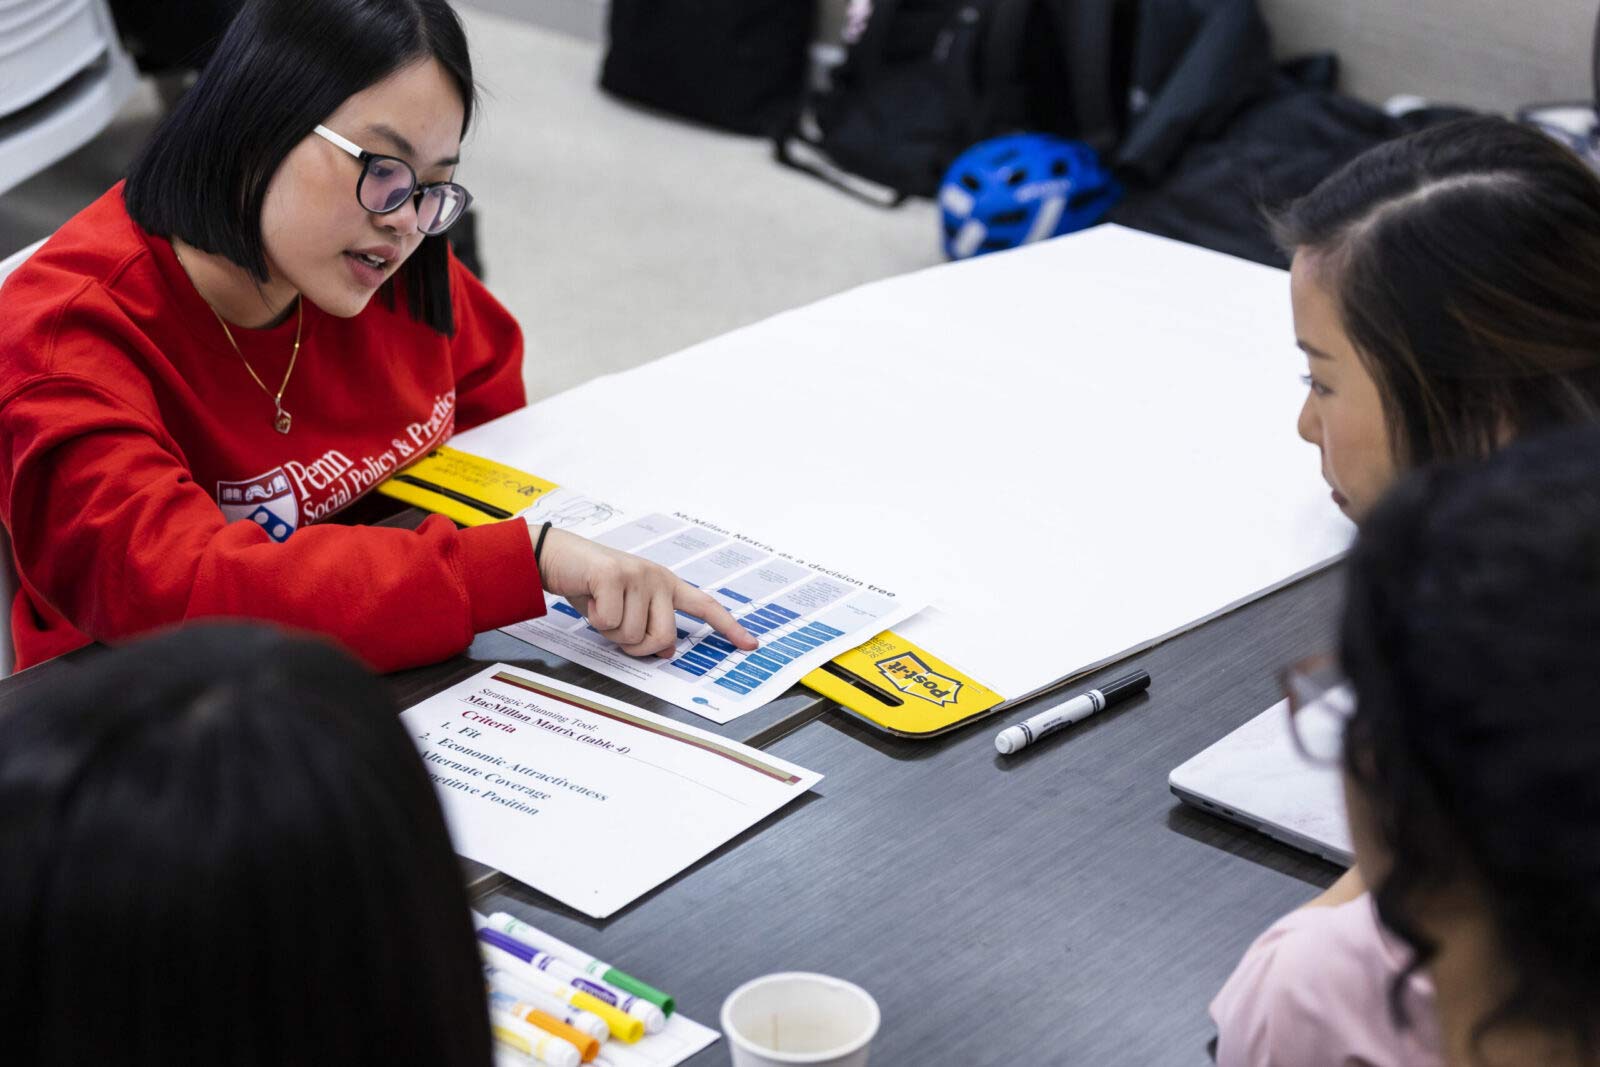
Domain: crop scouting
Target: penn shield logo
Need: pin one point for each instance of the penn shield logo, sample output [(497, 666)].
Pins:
[(907, 673), (266, 500)]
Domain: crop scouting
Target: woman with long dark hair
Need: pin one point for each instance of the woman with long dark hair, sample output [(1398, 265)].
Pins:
[(220, 849), (1446, 291), (194, 371)]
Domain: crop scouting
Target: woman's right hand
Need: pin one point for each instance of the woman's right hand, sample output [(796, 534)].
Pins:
[(630, 600)]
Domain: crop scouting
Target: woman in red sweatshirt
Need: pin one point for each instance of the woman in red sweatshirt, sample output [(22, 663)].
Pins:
[(194, 371)]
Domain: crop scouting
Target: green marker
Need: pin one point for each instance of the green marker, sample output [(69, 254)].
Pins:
[(512, 926)]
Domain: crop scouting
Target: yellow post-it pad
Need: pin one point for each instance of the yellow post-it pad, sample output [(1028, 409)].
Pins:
[(469, 489), (933, 696)]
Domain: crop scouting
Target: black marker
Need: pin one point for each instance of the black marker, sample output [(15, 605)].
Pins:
[(1018, 737)]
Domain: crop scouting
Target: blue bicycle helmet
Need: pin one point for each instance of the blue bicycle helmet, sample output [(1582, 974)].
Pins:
[(1024, 187)]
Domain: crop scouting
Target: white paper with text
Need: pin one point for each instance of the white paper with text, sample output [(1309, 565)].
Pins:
[(584, 798)]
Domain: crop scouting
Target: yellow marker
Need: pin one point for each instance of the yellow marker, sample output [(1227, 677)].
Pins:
[(588, 1045), (623, 1026), (546, 1048)]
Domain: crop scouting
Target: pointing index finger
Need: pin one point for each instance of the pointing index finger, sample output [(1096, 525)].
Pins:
[(687, 598)]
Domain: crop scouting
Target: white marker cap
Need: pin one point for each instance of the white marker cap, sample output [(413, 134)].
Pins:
[(1011, 739), (654, 1019), (587, 1021)]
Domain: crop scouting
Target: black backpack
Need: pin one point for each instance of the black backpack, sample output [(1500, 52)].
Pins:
[(736, 64), (927, 78)]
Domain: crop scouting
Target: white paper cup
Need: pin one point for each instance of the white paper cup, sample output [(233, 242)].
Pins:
[(796, 1017)]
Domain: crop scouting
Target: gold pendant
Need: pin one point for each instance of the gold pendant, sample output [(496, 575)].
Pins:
[(282, 422)]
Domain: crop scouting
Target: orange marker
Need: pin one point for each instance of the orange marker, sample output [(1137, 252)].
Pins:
[(587, 1045), (624, 1027)]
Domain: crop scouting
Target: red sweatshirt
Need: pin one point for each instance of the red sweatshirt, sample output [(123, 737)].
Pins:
[(143, 483)]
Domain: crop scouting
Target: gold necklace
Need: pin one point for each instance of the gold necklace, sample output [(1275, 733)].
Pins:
[(283, 420)]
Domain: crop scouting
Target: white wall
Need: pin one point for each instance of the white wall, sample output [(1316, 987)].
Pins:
[(584, 19), (1493, 54)]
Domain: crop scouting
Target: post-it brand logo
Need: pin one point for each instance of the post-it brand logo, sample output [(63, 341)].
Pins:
[(907, 673)]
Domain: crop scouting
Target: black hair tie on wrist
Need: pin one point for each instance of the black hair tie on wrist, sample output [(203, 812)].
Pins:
[(538, 548)]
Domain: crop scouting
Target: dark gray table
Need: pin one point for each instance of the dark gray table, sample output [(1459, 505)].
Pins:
[(1059, 907)]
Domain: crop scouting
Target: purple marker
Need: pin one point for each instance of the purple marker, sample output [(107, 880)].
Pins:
[(652, 1017)]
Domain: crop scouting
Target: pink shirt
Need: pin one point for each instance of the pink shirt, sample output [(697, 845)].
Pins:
[(1313, 991)]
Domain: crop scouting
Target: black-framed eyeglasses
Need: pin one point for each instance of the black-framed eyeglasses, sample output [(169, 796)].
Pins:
[(387, 182), (1321, 703)]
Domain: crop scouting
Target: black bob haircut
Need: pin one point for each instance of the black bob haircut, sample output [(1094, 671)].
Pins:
[(225, 839), (282, 68)]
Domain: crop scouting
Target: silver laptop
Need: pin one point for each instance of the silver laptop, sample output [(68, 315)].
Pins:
[(1256, 776)]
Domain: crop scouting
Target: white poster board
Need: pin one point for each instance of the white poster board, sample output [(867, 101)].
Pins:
[(1073, 449)]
